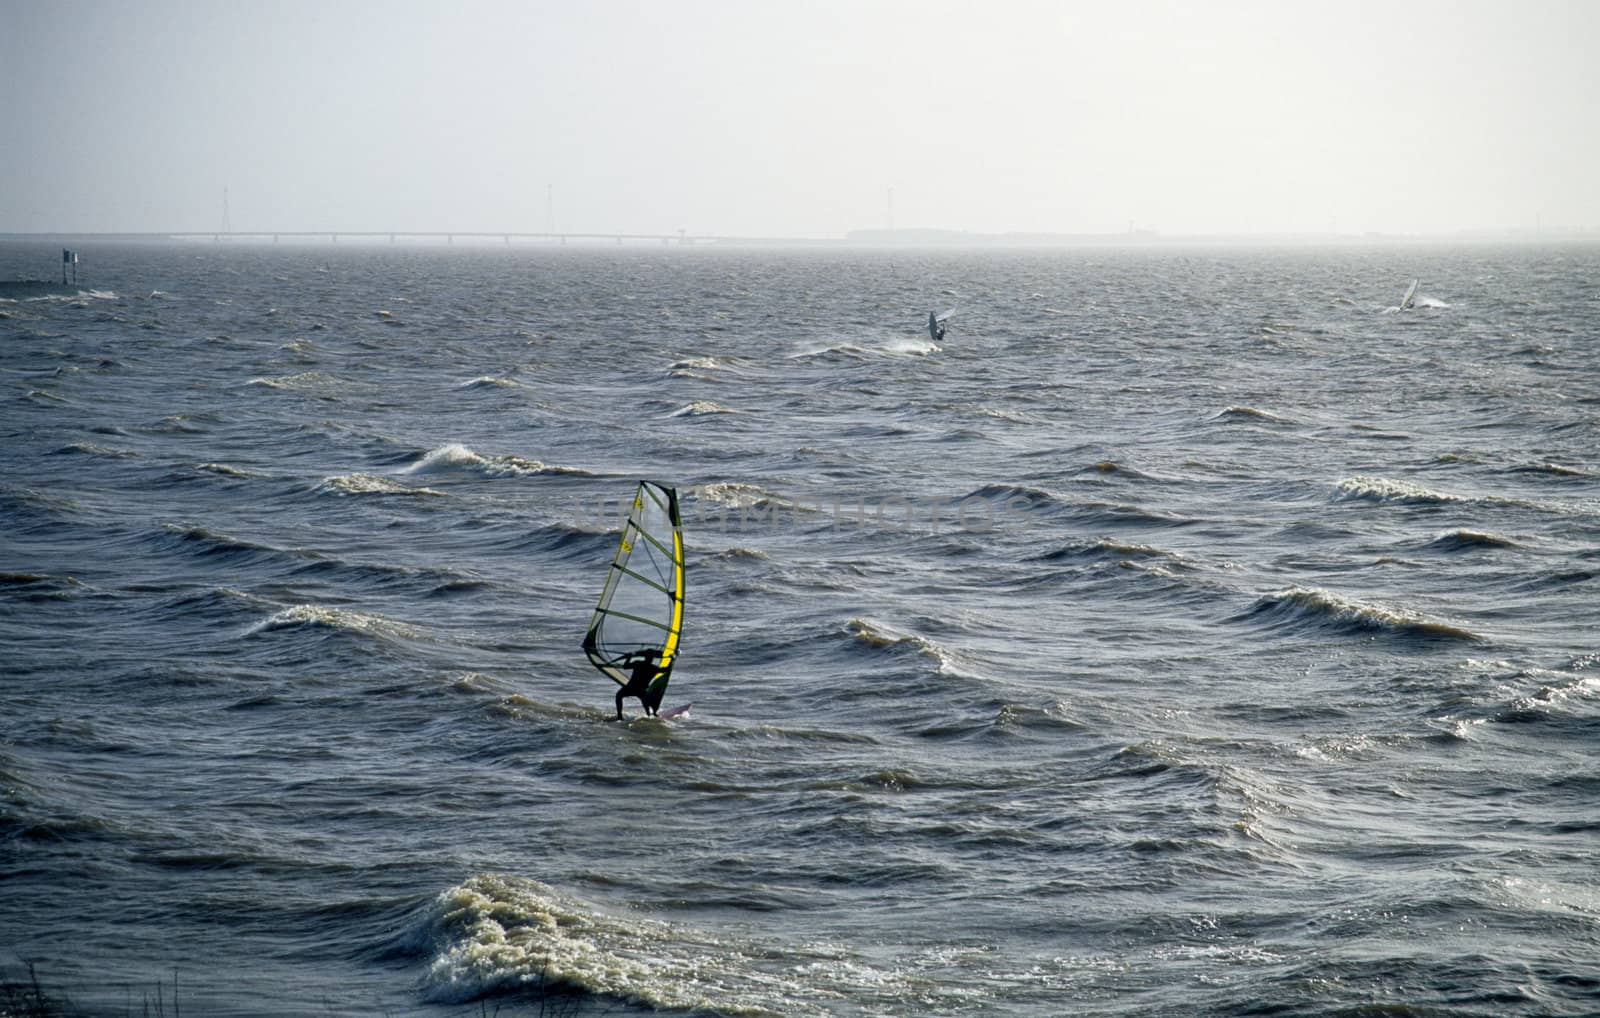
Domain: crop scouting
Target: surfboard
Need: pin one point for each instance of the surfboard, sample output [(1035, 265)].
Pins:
[(673, 712)]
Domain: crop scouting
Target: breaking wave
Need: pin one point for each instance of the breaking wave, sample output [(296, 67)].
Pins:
[(900, 347), (491, 382), (312, 616), (305, 381), (456, 458), (1300, 608), (694, 367), (1106, 550), (1469, 540), (90, 449), (1249, 413), (503, 934), (734, 495), (702, 408), (1362, 488), (869, 633), (369, 484)]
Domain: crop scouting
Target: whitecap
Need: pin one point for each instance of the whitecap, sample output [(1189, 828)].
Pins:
[(323, 617), (457, 458), (1237, 412), (369, 484), (302, 382), (226, 470), (490, 382), (497, 933), (1316, 607), (1382, 489), (702, 408), (693, 367)]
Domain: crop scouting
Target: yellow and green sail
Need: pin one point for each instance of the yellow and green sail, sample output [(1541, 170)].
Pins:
[(641, 605)]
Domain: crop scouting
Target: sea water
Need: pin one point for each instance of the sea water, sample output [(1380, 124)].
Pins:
[(1189, 631)]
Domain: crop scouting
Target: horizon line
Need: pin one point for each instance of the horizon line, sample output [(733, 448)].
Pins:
[(900, 237)]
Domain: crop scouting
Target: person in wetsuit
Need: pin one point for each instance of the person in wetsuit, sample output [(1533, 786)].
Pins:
[(642, 676)]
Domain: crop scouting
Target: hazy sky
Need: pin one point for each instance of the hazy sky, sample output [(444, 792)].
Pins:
[(800, 118)]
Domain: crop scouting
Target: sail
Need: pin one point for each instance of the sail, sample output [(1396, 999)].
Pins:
[(1410, 297), (641, 605)]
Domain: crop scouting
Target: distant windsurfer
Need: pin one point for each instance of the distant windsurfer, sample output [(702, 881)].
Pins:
[(1409, 301), (645, 681), (935, 326)]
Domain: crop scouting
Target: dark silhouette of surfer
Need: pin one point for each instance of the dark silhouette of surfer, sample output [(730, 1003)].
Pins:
[(645, 681), (935, 326)]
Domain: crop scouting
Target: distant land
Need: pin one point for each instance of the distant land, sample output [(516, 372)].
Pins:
[(963, 238), (871, 238)]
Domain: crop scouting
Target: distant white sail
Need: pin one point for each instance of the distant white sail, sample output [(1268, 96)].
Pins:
[(1410, 299)]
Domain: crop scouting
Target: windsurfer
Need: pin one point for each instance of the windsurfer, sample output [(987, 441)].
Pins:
[(935, 326), (642, 681)]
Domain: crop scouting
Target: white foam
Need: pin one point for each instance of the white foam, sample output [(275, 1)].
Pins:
[(702, 408), (331, 618), (457, 458), (369, 484)]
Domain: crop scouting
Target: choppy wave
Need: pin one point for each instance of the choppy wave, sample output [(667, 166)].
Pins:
[(498, 934), (1105, 549), (370, 484), (740, 555), (233, 556), (491, 382), (899, 347), (305, 381), (1313, 608), (694, 367), (1117, 514), (227, 470), (879, 636), (208, 544), (1113, 468), (876, 634), (313, 616), (1557, 470), (1249, 413), (90, 449), (495, 934), (702, 408), (1016, 496), (1469, 540), (456, 458), (1363, 488), (38, 586), (181, 424), (736, 495), (1010, 416), (1382, 489)]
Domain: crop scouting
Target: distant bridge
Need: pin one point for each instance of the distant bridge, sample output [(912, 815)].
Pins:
[(681, 238)]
